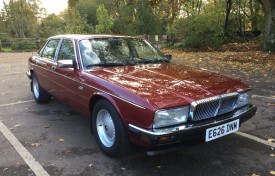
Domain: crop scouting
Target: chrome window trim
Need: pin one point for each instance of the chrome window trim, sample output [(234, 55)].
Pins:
[(125, 100), (79, 54), (38, 59)]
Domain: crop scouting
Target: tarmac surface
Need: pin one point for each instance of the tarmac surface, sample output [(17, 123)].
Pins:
[(58, 139)]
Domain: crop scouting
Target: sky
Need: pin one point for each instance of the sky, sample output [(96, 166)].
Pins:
[(52, 6)]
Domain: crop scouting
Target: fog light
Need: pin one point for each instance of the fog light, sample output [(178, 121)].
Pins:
[(167, 139), (145, 138)]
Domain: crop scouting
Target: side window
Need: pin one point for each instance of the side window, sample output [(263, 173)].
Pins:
[(67, 50), (50, 49)]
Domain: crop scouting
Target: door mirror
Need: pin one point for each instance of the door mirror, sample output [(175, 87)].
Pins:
[(65, 64), (168, 56)]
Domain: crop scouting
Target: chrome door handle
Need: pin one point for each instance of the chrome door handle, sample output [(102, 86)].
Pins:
[(80, 88)]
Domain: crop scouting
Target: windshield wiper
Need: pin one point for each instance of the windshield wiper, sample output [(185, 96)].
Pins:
[(106, 64), (152, 61)]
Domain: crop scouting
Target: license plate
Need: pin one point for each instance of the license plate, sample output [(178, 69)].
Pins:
[(221, 130)]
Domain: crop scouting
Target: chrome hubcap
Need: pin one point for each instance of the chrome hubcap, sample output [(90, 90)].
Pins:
[(105, 128), (35, 87)]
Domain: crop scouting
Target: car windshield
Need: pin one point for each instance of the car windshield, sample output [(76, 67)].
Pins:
[(118, 51)]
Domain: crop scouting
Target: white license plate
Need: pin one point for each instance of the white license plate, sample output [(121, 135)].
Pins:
[(221, 130)]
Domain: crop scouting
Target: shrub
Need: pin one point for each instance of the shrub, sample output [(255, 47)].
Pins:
[(23, 45), (200, 31)]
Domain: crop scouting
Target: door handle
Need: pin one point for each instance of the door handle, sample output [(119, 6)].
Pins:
[(53, 68), (80, 88)]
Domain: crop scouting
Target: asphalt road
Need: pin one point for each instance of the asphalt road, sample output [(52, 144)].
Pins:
[(59, 139)]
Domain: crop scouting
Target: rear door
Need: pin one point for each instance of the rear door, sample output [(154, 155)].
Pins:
[(45, 61)]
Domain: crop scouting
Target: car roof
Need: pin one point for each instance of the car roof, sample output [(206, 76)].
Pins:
[(82, 36)]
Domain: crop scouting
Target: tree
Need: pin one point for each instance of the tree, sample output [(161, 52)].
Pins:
[(21, 17), (2, 22), (105, 21), (147, 22), (124, 20), (269, 34), (72, 3), (87, 10), (228, 9), (201, 30), (73, 21), (52, 25)]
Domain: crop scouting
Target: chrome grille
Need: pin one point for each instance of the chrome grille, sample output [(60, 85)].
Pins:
[(213, 106)]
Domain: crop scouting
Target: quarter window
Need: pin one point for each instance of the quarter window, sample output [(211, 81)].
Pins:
[(50, 49)]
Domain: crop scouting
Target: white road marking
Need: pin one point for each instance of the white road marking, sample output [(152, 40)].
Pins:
[(23, 152), (263, 97), (19, 102), (254, 138)]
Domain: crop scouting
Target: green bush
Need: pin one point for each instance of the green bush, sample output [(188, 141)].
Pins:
[(24, 45), (200, 31)]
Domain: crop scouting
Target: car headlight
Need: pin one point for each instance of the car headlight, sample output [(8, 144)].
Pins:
[(244, 99), (170, 117)]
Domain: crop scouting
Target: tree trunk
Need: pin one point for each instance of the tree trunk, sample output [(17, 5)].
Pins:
[(240, 18), (228, 9), (269, 34)]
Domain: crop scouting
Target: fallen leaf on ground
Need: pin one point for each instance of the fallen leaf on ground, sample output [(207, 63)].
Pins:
[(272, 155), (273, 96), (255, 175), (272, 172), (271, 140), (61, 139), (35, 144)]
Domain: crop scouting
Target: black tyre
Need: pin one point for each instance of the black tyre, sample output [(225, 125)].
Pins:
[(39, 94), (109, 130)]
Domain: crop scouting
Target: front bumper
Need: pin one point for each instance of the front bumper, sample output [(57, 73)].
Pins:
[(191, 132)]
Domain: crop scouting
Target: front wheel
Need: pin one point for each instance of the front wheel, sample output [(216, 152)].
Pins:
[(109, 130), (39, 94)]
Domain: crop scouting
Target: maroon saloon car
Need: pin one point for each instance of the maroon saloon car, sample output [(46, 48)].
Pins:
[(134, 95)]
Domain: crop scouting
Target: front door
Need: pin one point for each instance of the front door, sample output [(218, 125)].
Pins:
[(63, 79)]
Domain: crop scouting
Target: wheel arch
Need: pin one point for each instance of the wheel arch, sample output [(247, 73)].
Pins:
[(101, 96)]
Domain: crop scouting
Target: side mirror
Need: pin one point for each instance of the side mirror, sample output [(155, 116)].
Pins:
[(168, 56), (65, 64)]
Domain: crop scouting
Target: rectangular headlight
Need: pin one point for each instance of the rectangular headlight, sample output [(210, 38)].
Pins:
[(168, 117), (244, 99)]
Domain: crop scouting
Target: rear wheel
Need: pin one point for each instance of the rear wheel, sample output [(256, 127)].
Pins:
[(39, 94), (109, 130)]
